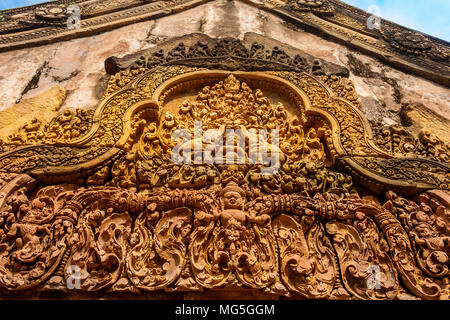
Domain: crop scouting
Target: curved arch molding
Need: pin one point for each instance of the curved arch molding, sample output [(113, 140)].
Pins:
[(323, 94), (99, 191)]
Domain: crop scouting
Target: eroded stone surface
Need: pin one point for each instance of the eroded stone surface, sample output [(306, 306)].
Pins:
[(20, 70), (191, 228), (42, 107), (78, 64), (416, 116), (100, 193)]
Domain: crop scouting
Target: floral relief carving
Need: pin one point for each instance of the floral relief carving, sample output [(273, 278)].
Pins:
[(64, 128), (34, 234), (426, 221), (360, 258), (321, 7), (397, 140), (225, 241), (414, 43), (103, 192), (167, 239), (52, 12), (308, 263)]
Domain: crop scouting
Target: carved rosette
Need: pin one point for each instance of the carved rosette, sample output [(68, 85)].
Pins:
[(320, 7), (52, 12), (414, 43)]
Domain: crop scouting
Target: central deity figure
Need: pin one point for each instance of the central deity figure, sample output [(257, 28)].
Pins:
[(233, 246), (232, 217)]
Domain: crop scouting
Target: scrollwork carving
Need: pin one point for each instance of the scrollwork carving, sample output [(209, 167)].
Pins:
[(34, 233), (366, 268), (307, 262), (158, 250), (185, 240), (69, 125), (99, 248), (426, 222), (136, 220), (398, 141)]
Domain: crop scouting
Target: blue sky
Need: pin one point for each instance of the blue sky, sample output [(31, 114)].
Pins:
[(429, 16), (7, 4)]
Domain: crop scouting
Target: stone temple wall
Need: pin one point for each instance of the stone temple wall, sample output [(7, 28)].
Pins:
[(75, 68), (92, 178)]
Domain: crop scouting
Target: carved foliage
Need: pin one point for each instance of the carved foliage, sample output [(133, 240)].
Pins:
[(307, 260), (69, 125), (418, 170), (427, 223), (98, 247), (211, 54), (188, 239), (158, 248), (398, 141), (33, 233), (343, 88), (230, 227), (228, 104), (403, 256), (366, 268)]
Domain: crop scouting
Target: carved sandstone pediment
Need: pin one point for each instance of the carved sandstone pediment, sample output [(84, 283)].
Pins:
[(139, 197), (393, 44)]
